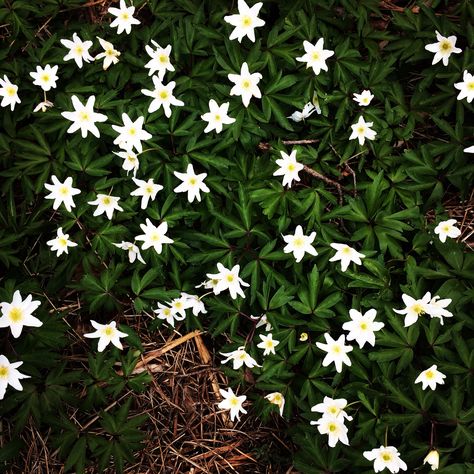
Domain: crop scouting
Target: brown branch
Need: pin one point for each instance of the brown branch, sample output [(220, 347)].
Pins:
[(327, 180)]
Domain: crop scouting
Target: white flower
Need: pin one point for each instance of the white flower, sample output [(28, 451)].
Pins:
[(469, 149), (447, 229), (45, 77), (228, 280), (181, 304), (262, 321), (110, 54), (162, 96), (233, 403), (346, 255), (245, 22), (277, 399), (147, 190), (9, 92), (432, 458), (130, 161), (60, 243), (414, 308), (315, 56), (208, 284), (245, 84), (268, 343), (194, 302), (466, 87), (335, 429), (239, 357), (192, 183), (336, 351), (160, 60), (303, 336), (361, 130), (364, 98), (19, 313), (84, 117), (9, 375), (386, 457), (168, 314), (299, 244), (43, 106), (78, 50), (289, 168), (107, 204), (154, 236), (217, 117), (133, 251), (62, 193), (362, 327), (308, 109), (436, 308), (443, 48), (107, 333), (430, 377), (124, 20), (332, 408), (131, 133)]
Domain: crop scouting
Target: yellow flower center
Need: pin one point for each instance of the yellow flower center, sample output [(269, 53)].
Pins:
[(333, 410), (3, 372), (11, 90), (298, 242), (84, 116), (155, 237), (429, 374), (131, 158), (346, 250), (315, 56), (230, 278), (246, 21), (291, 167), (163, 58), (445, 46), (332, 427), (15, 315), (363, 326), (246, 84), (132, 131), (45, 77), (361, 130), (217, 118), (108, 331), (62, 242), (233, 401), (125, 16), (64, 190), (386, 456), (192, 181), (242, 356), (79, 50), (163, 95), (166, 312), (109, 52), (336, 349), (149, 190), (418, 309), (365, 100), (178, 304), (446, 228), (269, 344), (106, 201), (470, 85)]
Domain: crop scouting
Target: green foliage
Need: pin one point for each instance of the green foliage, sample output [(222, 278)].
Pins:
[(391, 189)]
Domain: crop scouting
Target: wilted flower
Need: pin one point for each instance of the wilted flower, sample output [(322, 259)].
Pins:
[(130, 161), (245, 21), (432, 459), (277, 399), (437, 308), (43, 106), (262, 321), (133, 251), (107, 333), (308, 109)]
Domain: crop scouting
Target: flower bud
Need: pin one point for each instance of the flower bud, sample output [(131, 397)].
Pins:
[(432, 459)]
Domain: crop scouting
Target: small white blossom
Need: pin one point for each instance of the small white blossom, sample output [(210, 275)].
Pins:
[(443, 48), (466, 87), (228, 280), (414, 308), (315, 56), (168, 314), (19, 313), (131, 133), (84, 117), (45, 77), (192, 183), (362, 327), (78, 50), (154, 236), (245, 84), (361, 130), (437, 308), (107, 204), (386, 457), (239, 357), (60, 243), (232, 402), (147, 190), (262, 321), (332, 408), (335, 429), (160, 60), (308, 109), (133, 251), (277, 399), (9, 375), (62, 193), (9, 92), (162, 96), (447, 229), (268, 344), (125, 19), (289, 168), (299, 244), (346, 255), (110, 54), (217, 117), (432, 458), (194, 302), (364, 98), (43, 106), (430, 377), (107, 333), (245, 21), (336, 351), (130, 161)]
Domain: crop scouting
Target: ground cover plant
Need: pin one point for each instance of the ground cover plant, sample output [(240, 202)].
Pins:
[(286, 185)]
